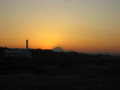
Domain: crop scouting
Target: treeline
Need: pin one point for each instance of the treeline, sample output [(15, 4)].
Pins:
[(48, 61)]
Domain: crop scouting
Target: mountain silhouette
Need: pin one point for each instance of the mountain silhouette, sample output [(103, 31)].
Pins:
[(58, 49)]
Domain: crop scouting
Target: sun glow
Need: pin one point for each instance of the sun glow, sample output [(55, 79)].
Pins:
[(50, 39)]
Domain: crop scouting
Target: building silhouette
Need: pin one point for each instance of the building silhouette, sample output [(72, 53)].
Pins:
[(18, 53)]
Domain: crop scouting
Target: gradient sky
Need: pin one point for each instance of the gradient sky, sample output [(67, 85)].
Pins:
[(81, 25)]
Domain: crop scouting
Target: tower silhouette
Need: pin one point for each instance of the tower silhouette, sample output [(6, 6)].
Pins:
[(27, 44)]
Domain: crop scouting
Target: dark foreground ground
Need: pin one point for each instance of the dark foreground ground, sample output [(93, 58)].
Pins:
[(91, 76), (60, 71), (57, 82)]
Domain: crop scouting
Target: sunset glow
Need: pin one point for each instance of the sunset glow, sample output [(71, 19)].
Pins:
[(80, 25)]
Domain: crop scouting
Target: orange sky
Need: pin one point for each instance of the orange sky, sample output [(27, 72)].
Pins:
[(80, 25)]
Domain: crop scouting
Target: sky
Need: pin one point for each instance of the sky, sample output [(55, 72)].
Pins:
[(80, 25)]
